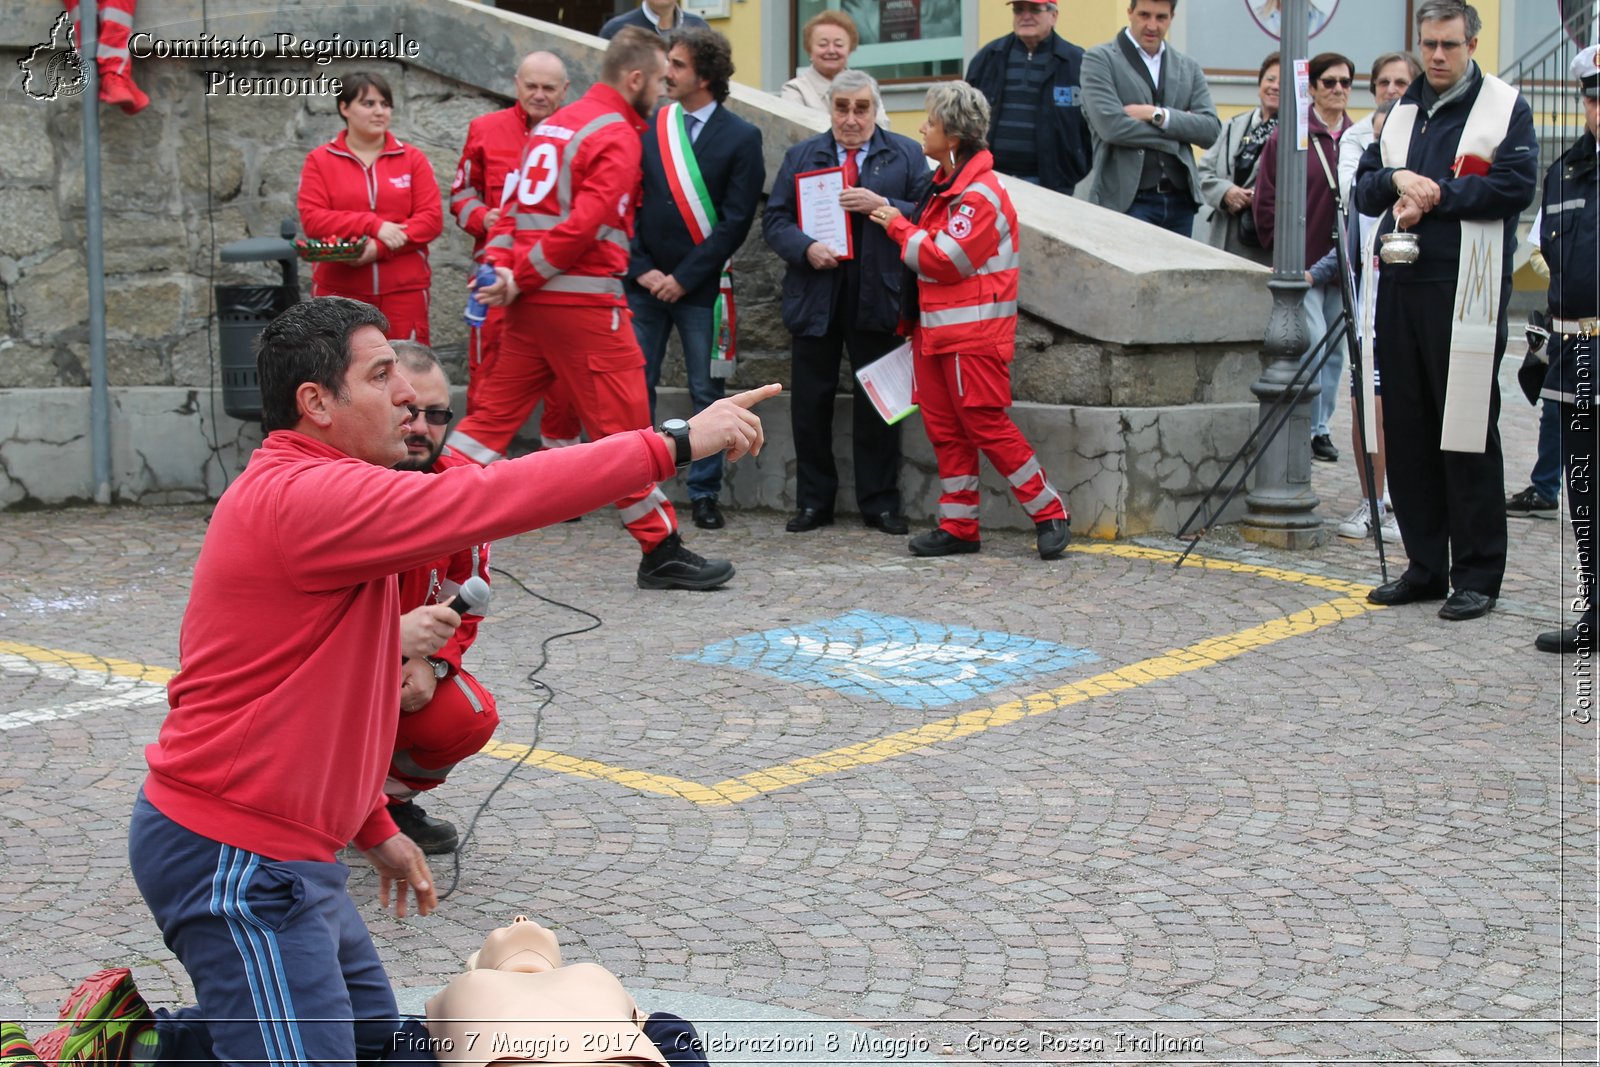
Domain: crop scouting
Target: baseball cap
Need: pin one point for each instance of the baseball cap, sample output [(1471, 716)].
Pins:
[(1051, 4), (1585, 70)]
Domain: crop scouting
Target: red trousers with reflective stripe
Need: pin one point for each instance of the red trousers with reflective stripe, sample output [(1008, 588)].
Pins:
[(559, 423), (590, 351), (407, 311), (963, 400), (116, 26), (430, 741)]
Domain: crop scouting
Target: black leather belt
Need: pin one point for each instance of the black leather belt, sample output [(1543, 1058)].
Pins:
[(1164, 187)]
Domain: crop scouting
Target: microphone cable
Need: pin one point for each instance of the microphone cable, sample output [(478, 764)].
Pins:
[(548, 695)]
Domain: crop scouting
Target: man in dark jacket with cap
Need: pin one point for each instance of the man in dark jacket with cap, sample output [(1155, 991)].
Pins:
[(1030, 76)]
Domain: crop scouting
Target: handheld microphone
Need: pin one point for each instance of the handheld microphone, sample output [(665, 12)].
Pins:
[(473, 599)]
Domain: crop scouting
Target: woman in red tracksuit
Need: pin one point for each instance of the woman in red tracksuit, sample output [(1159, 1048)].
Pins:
[(365, 183), (963, 249)]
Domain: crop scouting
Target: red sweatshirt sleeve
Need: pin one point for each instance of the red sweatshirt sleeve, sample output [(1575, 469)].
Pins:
[(350, 521), (319, 218)]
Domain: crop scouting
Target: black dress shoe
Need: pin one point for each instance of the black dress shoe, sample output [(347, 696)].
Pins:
[(1401, 591), (707, 515), (1466, 604), (809, 519), (939, 542), (890, 522), (1052, 537), (1562, 640)]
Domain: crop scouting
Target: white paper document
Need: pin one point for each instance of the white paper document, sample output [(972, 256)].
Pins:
[(821, 217), (887, 383)]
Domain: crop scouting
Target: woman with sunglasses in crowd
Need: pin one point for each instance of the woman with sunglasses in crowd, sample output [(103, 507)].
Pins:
[(1331, 78)]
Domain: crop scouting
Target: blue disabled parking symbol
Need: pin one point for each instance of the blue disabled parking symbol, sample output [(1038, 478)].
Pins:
[(908, 662)]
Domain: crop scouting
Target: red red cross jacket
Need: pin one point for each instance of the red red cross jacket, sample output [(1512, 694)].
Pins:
[(490, 158), (438, 582), (964, 252), (566, 230), (342, 197)]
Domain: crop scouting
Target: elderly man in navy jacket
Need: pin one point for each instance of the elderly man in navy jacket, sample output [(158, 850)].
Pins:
[(703, 172), (831, 305), (1031, 80)]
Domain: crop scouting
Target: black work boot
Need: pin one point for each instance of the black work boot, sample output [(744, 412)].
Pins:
[(436, 837)]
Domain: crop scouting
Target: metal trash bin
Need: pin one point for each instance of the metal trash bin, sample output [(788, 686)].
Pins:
[(242, 310)]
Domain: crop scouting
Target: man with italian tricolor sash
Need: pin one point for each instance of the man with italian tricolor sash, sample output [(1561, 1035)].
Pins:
[(703, 173), (1456, 165)]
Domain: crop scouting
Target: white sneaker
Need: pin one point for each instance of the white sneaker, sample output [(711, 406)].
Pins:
[(1391, 529), (1358, 526)]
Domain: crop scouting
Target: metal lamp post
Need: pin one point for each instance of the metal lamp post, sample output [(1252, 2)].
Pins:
[(1281, 508)]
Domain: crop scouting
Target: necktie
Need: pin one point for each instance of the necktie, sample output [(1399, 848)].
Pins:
[(690, 124), (852, 173)]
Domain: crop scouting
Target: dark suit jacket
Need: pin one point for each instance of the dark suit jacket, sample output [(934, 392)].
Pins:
[(729, 153), (895, 169)]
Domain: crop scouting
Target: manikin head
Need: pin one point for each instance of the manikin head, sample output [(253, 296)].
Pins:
[(523, 946)]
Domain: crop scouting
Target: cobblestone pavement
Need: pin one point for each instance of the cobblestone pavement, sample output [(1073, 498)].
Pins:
[(1098, 810)]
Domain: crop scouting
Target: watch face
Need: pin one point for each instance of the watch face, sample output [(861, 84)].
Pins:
[(675, 426)]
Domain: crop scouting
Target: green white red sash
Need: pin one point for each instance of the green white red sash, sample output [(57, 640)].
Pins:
[(693, 200)]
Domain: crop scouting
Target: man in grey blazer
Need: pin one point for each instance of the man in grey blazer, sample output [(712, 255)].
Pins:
[(1147, 104)]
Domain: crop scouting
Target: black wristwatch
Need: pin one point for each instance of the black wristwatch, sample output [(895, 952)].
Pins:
[(678, 430)]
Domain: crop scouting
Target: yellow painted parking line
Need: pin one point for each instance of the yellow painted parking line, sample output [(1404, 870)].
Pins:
[(1207, 652), (83, 661)]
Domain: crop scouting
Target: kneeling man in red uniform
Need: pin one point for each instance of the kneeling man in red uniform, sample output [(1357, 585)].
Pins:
[(445, 713)]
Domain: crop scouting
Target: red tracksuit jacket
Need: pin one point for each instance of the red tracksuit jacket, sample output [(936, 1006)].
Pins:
[(964, 251), (341, 197)]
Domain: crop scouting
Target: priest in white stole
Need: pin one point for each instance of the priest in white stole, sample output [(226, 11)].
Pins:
[(1457, 164)]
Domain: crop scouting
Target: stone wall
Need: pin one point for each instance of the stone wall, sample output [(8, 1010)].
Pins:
[(1136, 347)]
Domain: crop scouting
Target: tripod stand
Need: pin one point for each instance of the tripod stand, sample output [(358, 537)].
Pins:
[(1343, 328)]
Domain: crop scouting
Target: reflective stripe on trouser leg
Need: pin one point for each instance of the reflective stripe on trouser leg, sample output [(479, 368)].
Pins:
[(981, 408), (1033, 490), (955, 453)]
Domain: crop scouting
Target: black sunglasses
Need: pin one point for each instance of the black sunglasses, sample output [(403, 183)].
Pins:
[(1336, 83), (435, 416)]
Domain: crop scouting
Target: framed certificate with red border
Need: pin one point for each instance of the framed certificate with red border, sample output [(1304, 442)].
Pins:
[(817, 208)]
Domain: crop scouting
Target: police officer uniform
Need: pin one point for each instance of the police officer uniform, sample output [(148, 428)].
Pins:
[(1569, 237)]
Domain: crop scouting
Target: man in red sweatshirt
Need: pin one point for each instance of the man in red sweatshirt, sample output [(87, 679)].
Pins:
[(283, 714)]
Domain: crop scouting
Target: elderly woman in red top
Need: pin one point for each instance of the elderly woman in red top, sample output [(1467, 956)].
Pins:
[(366, 183), (962, 246)]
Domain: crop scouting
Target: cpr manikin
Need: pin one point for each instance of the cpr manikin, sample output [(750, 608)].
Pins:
[(517, 1002)]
